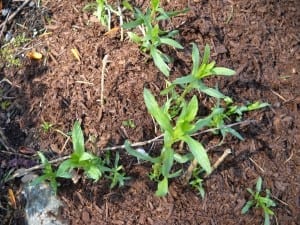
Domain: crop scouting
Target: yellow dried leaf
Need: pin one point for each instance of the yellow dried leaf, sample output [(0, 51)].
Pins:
[(113, 32), (75, 53), (34, 55), (12, 199)]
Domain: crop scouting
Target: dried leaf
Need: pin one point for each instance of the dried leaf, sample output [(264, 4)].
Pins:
[(34, 55), (11, 198), (113, 32), (76, 54)]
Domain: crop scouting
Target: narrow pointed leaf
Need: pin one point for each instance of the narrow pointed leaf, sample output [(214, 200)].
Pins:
[(77, 139), (159, 115), (159, 62), (171, 42), (223, 71), (199, 153), (162, 188)]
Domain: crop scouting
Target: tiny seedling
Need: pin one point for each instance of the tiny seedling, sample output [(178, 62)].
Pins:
[(152, 36), (116, 175), (128, 123), (259, 201), (197, 182), (46, 126), (49, 174)]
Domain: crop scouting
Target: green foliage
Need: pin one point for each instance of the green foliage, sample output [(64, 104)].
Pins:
[(152, 36), (205, 69), (259, 201), (116, 175), (197, 182), (182, 131), (9, 50), (48, 174), (128, 123), (46, 126), (93, 166)]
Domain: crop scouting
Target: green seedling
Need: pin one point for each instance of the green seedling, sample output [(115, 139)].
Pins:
[(128, 123), (259, 201), (152, 36), (8, 52), (92, 165), (49, 175), (231, 111), (182, 130), (46, 126), (116, 175), (197, 182), (202, 70), (5, 104)]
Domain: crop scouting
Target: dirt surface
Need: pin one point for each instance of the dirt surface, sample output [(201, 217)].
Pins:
[(258, 39)]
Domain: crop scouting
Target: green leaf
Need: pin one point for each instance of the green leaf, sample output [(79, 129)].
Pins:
[(94, 173), (199, 153), (184, 80), (162, 188), (159, 62), (206, 55), (257, 105), (134, 37), (171, 42), (139, 155), (159, 115), (210, 91), (154, 5), (64, 169), (191, 110), (183, 158), (223, 71), (248, 205), (77, 139), (234, 133), (86, 156), (167, 160), (258, 184), (43, 158), (267, 219), (195, 59)]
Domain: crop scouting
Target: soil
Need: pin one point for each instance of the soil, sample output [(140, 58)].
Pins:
[(258, 39)]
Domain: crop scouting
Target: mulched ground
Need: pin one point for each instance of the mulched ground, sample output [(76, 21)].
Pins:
[(259, 39)]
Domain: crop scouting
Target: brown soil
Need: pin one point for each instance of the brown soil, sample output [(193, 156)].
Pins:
[(259, 39)]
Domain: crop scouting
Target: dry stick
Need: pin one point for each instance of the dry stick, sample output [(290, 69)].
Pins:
[(104, 62), (160, 137), (15, 13), (194, 164), (4, 24), (22, 172)]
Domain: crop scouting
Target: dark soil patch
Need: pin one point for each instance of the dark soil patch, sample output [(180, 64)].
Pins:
[(259, 39)]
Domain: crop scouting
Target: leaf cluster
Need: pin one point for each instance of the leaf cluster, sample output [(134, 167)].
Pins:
[(152, 36)]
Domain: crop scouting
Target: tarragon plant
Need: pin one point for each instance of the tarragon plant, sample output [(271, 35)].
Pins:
[(259, 201), (152, 36)]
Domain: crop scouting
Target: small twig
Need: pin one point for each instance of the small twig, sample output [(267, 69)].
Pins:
[(190, 170), (22, 172), (258, 166), (104, 63), (220, 160), (4, 25), (160, 137), (15, 13)]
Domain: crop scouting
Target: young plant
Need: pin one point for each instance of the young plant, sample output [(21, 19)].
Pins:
[(202, 70), (197, 182), (259, 201), (152, 37), (46, 126), (49, 174), (116, 175), (92, 165), (182, 130)]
